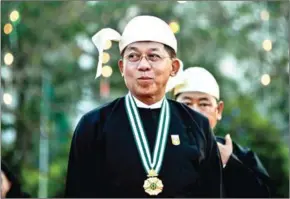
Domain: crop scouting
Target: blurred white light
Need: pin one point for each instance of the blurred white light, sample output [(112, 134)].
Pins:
[(106, 57), (181, 1), (8, 118), (265, 79), (14, 15), (265, 15), (85, 43), (6, 73), (174, 26), (107, 71), (8, 59), (228, 66), (7, 98), (8, 28), (267, 45), (86, 62), (108, 45), (8, 136), (92, 3)]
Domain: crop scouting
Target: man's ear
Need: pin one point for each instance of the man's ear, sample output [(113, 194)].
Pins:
[(175, 67), (220, 109), (121, 66)]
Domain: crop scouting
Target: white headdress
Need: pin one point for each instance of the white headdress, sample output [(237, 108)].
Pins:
[(194, 79), (140, 28)]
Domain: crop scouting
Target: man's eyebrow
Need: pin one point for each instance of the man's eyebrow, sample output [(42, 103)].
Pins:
[(200, 99), (154, 49), (132, 48), (203, 99), (186, 98), (136, 49)]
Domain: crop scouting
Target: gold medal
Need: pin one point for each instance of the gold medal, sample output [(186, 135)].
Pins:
[(153, 186)]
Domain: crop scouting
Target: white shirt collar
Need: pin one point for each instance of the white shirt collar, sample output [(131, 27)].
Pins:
[(152, 106)]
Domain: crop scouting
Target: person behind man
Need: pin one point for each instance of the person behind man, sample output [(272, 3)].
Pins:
[(143, 144), (243, 173), (10, 185)]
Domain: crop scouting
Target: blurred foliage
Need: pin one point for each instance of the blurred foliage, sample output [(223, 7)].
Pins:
[(48, 80)]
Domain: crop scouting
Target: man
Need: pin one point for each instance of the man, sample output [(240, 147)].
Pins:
[(143, 145), (10, 186), (243, 172)]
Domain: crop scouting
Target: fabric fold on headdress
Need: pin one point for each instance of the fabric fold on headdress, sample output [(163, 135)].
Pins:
[(99, 40)]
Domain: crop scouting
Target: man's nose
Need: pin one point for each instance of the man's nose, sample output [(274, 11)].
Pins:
[(195, 107), (144, 64)]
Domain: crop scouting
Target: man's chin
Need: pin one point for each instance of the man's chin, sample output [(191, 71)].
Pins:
[(145, 91)]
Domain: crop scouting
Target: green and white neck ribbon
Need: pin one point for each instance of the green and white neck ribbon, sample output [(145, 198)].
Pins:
[(140, 137)]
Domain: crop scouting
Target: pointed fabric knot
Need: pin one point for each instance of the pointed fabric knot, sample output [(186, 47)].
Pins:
[(99, 40)]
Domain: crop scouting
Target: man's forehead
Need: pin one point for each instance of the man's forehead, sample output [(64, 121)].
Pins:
[(196, 95), (145, 45)]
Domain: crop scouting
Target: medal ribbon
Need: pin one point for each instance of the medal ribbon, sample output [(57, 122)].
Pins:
[(140, 137)]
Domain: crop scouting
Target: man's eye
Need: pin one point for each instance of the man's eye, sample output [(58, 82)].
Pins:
[(186, 103), (133, 57), (154, 57), (204, 104)]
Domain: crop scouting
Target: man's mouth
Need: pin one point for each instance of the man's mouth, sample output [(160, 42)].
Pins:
[(145, 78)]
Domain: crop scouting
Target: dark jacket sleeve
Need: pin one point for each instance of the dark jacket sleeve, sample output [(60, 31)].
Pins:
[(211, 178), (245, 175), (80, 181), (15, 190)]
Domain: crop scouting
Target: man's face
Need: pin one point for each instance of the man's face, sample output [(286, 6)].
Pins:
[(146, 67), (203, 103)]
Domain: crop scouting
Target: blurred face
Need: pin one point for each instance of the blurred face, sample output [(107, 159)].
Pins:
[(5, 185), (203, 103), (146, 67)]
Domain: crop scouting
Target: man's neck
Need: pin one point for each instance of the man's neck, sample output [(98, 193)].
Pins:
[(148, 100)]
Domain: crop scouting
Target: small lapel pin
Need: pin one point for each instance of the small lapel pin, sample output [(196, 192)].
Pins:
[(175, 139)]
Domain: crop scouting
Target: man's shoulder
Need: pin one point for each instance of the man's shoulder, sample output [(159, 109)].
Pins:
[(91, 122), (101, 111)]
